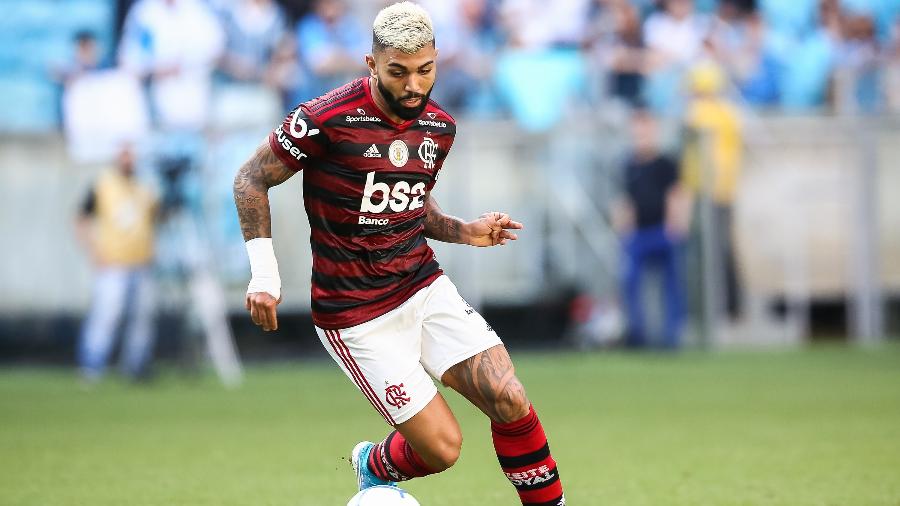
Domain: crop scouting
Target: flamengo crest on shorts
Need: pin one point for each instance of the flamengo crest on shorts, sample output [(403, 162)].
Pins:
[(396, 396)]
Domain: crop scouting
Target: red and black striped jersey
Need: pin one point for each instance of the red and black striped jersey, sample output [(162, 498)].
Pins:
[(364, 185)]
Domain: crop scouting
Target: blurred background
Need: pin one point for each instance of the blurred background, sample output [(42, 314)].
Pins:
[(711, 254), (692, 174)]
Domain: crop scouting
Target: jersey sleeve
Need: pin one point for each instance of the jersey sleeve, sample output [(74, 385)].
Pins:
[(298, 141)]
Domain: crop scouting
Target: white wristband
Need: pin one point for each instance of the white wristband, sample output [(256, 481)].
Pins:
[(263, 267)]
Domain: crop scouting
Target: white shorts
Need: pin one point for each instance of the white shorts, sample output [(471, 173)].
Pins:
[(393, 358)]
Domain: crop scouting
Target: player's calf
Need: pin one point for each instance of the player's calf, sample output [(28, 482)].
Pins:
[(395, 460)]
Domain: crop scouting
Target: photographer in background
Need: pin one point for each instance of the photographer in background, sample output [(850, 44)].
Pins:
[(116, 225)]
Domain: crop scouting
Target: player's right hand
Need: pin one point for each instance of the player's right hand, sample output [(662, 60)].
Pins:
[(262, 307)]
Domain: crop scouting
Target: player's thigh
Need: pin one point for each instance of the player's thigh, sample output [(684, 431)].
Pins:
[(382, 358), (452, 330)]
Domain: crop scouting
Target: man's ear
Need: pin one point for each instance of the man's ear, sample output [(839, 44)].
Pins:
[(370, 61)]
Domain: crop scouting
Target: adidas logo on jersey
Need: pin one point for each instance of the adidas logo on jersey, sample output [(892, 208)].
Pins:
[(372, 152)]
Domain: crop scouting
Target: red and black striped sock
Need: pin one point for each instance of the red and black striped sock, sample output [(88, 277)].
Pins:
[(524, 455), (394, 460)]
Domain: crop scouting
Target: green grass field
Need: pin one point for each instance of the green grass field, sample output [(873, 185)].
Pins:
[(817, 427)]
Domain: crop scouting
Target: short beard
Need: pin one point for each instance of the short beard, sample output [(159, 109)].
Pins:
[(403, 112)]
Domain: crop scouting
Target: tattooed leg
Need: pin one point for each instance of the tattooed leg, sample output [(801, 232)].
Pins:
[(488, 381)]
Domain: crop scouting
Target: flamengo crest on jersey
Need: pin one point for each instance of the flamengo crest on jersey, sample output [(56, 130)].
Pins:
[(428, 152), (364, 189)]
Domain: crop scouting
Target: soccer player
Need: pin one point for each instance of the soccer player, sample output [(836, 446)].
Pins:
[(371, 152)]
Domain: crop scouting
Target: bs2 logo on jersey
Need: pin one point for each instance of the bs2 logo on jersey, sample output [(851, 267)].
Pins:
[(401, 197)]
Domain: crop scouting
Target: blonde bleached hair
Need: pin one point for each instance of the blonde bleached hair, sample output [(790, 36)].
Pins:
[(404, 26)]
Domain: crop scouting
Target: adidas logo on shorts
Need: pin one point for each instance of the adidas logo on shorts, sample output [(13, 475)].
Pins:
[(372, 152)]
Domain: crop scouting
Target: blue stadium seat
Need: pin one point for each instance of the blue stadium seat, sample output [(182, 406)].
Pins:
[(538, 104), (36, 35), (791, 17), (28, 104)]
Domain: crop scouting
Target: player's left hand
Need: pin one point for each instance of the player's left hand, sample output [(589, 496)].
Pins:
[(492, 229)]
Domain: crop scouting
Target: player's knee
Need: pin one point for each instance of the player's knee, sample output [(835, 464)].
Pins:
[(446, 457), (446, 452), (511, 403)]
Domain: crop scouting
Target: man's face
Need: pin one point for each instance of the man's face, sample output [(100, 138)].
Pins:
[(680, 9), (86, 53), (404, 80), (125, 160)]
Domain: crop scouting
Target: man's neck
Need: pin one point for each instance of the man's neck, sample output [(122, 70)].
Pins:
[(645, 155)]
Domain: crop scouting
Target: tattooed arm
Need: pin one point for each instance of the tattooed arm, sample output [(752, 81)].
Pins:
[(251, 197), (490, 229), (439, 226), (251, 191)]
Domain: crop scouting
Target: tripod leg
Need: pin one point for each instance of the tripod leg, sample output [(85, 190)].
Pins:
[(219, 339)]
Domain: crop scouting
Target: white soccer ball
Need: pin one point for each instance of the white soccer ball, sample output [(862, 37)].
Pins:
[(383, 495)]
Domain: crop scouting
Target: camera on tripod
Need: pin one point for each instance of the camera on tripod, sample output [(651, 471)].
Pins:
[(173, 171)]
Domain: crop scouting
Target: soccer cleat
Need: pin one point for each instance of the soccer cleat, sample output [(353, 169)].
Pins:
[(359, 460)]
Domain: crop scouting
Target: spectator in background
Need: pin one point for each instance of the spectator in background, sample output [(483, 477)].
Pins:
[(543, 46), (102, 106), (176, 44), (116, 227), (530, 25), (653, 219), (675, 34), (806, 60), (618, 45), (674, 38), (737, 41), (86, 58), (713, 154), (892, 69), (253, 31), (467, 44), (259, 60), (857, 76), (329, 43)]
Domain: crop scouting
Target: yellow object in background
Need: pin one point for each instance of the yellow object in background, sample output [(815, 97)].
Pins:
[(714, 125), (124, 220)]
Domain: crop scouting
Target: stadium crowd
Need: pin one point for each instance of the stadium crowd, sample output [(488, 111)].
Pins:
[(840, 55), (836, 54)]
